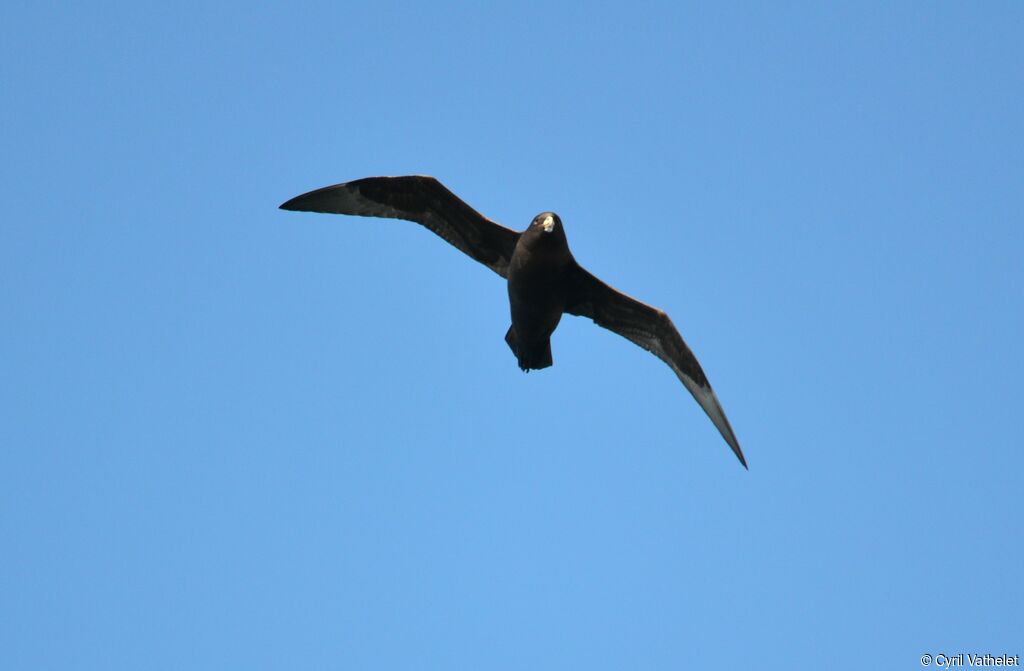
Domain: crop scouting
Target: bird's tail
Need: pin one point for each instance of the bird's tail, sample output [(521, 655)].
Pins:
[(531, 356)]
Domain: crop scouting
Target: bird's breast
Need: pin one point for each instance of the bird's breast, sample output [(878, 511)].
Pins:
[(536, 292), (536, 273)]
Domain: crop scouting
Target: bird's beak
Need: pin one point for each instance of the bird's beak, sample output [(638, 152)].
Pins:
[(549, 224)]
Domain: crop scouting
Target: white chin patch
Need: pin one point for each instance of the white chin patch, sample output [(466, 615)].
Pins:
[(548, 224)]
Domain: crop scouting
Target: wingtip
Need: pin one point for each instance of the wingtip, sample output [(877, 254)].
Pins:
[(319, 200), (738, 452), (309, 201)]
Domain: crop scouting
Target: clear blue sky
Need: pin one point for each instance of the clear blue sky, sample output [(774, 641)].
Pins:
[(236, 437)]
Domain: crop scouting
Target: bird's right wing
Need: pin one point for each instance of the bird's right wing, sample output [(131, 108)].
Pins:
[(651, 329), (423, 200)]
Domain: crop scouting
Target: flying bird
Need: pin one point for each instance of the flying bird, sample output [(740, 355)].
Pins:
[(544, 280)]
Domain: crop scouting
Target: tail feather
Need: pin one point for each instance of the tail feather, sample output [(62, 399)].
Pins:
[(531, 356)]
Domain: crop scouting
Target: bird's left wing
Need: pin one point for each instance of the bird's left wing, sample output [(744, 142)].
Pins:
[(651, 329), (423, 200)]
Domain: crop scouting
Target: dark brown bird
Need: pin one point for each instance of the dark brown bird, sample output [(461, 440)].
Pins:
[(544, 280)]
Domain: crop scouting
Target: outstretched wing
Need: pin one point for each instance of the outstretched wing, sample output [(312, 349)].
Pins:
[(650, 328), (423, 200)]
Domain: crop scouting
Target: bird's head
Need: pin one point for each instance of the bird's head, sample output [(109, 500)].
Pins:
[(544, 232), (547, 222)]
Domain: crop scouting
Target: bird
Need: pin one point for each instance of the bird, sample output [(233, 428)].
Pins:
[(544, 280)]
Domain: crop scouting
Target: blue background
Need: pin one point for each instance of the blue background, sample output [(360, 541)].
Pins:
[(236, 437)]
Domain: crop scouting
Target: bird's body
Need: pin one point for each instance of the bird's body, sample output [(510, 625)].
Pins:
[(544, 280), (537, 291)]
